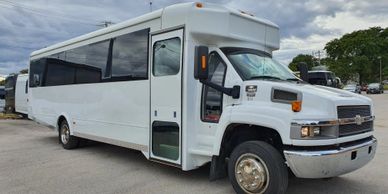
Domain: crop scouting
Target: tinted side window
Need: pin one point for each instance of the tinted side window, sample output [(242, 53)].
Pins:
[(167, 57), (26, 89), (2, 93), (211, 98), (58, 73), (37, 69), (130, 54), (89, 61)]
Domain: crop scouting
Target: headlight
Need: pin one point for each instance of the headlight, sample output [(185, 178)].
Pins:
[(310, 131), (313, 132)]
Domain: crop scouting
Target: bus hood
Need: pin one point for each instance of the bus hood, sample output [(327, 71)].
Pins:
[(317, 101)]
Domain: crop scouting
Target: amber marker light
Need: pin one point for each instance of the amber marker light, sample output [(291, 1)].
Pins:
[(199, 5), (296, 106), (203, 62)]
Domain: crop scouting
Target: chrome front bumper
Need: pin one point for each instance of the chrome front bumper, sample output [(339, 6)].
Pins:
[(331, 162)]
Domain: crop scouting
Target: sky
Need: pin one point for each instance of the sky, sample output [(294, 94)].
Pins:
[(305, 26)]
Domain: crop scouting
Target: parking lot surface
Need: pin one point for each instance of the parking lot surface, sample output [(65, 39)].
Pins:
[(32, 161)]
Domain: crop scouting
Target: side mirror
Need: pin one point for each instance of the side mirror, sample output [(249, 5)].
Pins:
[(329, 82), (304, 71), (36, 80), (201, 70)]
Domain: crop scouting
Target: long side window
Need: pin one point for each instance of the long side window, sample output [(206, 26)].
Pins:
[(36, 72), (130, 55), (211, 98), (124, 57)]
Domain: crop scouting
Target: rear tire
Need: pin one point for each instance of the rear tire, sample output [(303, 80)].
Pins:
[(257, 167), (68, 141)]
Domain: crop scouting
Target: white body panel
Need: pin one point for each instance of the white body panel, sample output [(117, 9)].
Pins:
[(122, 112), (21, 94)]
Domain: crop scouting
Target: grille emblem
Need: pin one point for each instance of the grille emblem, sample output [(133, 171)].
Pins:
[(359, 120)]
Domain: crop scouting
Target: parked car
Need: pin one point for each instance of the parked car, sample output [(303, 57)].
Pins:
[(375, 88), (323, 77), (353, 88), (364, 87), (2, 98)]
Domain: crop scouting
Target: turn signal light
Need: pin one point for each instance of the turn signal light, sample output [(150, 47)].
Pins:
[(296, 106), (203, 62), (199, 5)]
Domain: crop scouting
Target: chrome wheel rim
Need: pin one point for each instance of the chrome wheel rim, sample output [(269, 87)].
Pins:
[(65, 134), (251, 173)]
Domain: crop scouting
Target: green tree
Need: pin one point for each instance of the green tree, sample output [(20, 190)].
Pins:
[(309, 59), (358, 53)]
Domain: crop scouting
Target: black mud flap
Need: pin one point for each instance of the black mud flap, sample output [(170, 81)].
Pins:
[(217, 168)]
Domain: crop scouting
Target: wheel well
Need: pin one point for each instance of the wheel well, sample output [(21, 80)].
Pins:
[(236, 134), (60, 120)]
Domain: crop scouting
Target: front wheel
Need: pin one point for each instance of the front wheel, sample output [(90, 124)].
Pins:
[(257, 167)]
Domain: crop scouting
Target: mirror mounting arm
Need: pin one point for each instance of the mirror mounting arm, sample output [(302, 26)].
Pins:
[(233, 92)]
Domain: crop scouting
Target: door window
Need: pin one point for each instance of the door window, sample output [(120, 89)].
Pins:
[(211, 98), (167, 55)]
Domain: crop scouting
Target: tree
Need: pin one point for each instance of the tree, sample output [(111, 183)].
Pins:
[(308, 59), (357, 53), (23, 71)]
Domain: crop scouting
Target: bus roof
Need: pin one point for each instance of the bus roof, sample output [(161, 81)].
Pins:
[(202, 19)]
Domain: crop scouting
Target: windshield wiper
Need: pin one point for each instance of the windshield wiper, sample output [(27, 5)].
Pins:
[(296, 80), (265, 77)]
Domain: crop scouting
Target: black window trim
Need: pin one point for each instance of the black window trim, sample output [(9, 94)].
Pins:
[(202, 107)]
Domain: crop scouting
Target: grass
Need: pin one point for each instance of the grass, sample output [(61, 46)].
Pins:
[(386, 87), (9, 116)]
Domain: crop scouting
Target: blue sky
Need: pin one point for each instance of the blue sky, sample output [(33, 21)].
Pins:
[(28, 25)]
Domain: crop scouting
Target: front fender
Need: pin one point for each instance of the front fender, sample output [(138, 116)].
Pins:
[(278, 119)]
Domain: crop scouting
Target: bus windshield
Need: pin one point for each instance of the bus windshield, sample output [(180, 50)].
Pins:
[(253, 64)]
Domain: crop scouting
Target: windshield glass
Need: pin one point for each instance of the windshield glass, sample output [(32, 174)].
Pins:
[(374, 85), (252, 64)]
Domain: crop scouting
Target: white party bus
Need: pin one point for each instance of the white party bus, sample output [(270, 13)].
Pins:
[(195, 83)]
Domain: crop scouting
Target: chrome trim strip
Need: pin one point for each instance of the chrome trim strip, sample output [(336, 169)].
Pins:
[(134, 146), (340, 150), (344, 121)]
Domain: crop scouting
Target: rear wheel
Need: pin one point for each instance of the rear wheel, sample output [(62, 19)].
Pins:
[(257, 167), (68, 141)]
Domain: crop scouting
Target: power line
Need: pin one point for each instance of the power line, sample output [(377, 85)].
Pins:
[(6, 3)]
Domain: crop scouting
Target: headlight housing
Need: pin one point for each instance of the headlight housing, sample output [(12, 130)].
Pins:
[(314, 132)]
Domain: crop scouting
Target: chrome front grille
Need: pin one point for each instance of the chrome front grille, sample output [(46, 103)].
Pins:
[(352, 112)]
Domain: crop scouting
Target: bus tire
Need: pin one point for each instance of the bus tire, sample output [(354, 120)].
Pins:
[(257, 167), (68, 141)]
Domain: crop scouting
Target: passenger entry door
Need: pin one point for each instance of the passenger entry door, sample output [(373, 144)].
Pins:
[(166, 96)]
